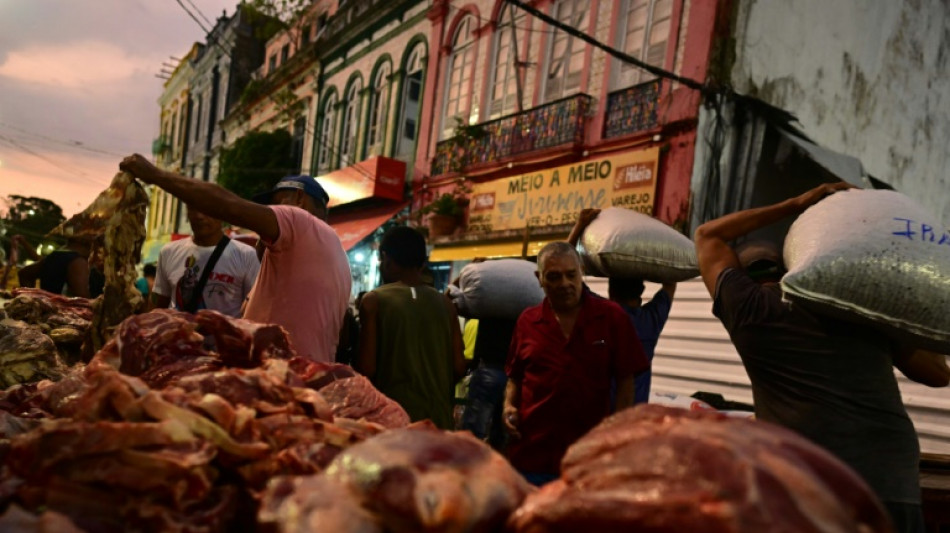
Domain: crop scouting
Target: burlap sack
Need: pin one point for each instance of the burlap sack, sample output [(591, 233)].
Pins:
[(497, 289), (875, 257), (626, 244)]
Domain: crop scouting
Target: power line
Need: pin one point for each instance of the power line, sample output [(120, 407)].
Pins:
[(206, 19), (71, 143), (320, 139), (76, 173)]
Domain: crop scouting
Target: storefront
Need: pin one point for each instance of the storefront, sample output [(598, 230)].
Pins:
[(515, 216), (364, 198)]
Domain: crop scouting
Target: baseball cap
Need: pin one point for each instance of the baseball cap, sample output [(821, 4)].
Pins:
[(307, 184)]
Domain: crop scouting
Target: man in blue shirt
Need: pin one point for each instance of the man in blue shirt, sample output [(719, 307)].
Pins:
[(648, 319)]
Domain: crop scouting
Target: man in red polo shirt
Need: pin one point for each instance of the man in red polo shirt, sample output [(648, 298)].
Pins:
[(563, 357)]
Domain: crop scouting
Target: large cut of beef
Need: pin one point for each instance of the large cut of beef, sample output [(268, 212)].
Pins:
[(415, 479), (654, 468), (27, 354), (115, 225), (65, 321)]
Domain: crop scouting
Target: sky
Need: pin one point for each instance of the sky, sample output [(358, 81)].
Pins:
[(78, 90)]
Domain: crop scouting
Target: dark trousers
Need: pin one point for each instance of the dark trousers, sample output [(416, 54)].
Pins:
[(486, 397)]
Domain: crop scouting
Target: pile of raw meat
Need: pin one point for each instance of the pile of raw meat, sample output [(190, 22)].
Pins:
[(188, 422), (40, 334), (654, 468)]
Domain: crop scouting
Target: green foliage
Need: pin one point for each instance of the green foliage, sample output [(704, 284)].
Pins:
[(282, 14), (31, 217), (450, 203), (256, 162)]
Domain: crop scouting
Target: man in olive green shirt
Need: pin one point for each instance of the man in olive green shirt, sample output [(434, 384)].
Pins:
[(410, 340)]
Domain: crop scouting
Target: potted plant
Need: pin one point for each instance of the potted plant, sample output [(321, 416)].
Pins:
[(445, 212)]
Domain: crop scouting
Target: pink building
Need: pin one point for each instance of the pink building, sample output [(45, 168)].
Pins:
[(557, 124)]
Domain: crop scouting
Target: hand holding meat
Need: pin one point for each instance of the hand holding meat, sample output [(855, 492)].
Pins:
[(141, 168)]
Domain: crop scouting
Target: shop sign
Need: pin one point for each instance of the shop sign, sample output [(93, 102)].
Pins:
[(555, 196)]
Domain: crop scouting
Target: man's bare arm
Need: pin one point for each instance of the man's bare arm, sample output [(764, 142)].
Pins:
[(207, 197), (626, 390), (510, 415), (366, 357), (923, 366), (712, 238)]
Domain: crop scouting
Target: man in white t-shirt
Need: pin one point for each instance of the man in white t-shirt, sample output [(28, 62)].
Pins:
[(181, 264)]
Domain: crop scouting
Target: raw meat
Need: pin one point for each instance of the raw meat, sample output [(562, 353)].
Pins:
[(355, 397), (115, 224), (65, 321), (414, 479), (654, 468), (26, 354)]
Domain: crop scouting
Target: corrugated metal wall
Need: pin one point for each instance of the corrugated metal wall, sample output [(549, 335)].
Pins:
[(695, 354)]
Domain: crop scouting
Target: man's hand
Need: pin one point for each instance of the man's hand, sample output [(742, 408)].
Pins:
[(584, 218), (141, 168), (511, 419), (817, 194)]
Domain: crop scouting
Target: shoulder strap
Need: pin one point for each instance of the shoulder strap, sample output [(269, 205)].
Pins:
[(192, 305)]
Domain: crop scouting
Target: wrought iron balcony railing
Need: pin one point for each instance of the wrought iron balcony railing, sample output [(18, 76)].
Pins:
[(559, 123), (632, 109)]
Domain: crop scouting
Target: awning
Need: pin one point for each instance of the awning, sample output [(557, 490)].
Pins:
[(844, 167), (376, 177), (492, 250), (354, 227)]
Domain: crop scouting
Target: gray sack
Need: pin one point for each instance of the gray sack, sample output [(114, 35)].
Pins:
[(875, 257)]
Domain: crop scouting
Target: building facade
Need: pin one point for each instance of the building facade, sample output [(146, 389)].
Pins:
[(170, 150), (234, 49), (552, 124)]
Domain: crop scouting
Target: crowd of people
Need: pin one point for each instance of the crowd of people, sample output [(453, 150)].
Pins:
[(540, 382)]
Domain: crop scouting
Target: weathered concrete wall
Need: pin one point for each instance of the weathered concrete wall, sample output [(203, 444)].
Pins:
[(869, 78)]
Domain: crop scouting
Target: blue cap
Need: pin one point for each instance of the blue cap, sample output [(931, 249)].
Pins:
[(307, 184)]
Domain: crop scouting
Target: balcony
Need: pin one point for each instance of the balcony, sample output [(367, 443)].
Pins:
[(632, 110), (559, 123)]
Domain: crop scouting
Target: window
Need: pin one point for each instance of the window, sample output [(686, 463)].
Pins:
[(198, 134), (461, 66), (643, 33), (181, 128), (172, 145), (350, 126), (411, 99), (272, 64), (325, 140), (284, 53), (565, 58), (378, 111), (508, 51), (296, 147)]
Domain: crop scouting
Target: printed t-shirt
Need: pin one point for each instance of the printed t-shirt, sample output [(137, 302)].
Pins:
[(180, 264), (304, 284)]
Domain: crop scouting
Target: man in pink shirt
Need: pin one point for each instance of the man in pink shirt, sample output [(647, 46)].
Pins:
[(304, 281)]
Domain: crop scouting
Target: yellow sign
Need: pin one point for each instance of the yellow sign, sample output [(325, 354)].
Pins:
[(555, 196)]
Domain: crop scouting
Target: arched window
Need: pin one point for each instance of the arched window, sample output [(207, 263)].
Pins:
[(350, 125), (509, 49), (565, 58), (378, 111), (411, 100), (325, 139), (461, 66), (643, 33)]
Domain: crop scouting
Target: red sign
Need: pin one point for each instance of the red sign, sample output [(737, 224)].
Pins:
[(376, 177), (354, 227)]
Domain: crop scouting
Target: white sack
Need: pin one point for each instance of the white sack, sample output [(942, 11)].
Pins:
[(497, 289), (875, 257), (626, 244)]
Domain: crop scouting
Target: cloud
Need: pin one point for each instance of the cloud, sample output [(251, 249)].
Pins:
[(75, 65)]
